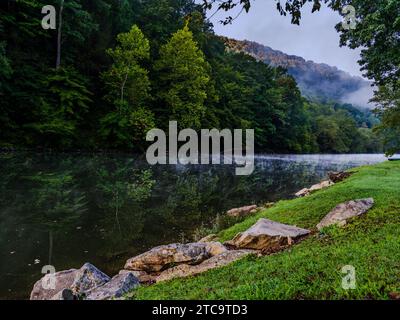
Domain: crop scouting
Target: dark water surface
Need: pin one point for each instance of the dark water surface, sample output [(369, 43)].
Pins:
[(68, 209)]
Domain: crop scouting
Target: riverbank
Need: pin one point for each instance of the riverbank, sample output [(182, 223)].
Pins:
[(312, 268)]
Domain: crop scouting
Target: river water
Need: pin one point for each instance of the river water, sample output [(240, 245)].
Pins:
[(68, 209)]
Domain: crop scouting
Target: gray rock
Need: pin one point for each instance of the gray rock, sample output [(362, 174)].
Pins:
[(268, 235), (217, 261), (345, 211), (115, 288), (65, 294), (142, 276), (319, 186), (87, 278), (243, 211), (162, 257), (63, 280), (70, 284)]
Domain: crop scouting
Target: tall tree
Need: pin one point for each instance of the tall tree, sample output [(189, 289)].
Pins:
[(128, 88), (183, 79)]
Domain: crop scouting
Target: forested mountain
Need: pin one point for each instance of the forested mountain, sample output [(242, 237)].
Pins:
[(317, 81), (113, 69)]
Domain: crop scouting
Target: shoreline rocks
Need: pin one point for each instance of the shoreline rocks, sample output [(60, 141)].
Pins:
[(217, 261), (87, 278), (142, 276), (267, 235), (334, 177), (87, 283), (337, 177), (345, 211), (43, 289), (243, 211), (161, 257), (115, 288), (319, 186)]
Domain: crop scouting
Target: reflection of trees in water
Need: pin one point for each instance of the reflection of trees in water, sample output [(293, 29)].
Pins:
[(129, 203), (49, 200), (56, 203), (120, 193)]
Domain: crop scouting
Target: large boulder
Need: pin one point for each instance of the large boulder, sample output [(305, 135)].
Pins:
[(267, 235), (217, 261), (87, 278), (42, 289), (243, 211), (339, 176), (86, 283), (115, 288), (163, 257), (345, 211)]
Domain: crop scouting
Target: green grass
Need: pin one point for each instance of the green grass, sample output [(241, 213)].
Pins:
[(312, 268)]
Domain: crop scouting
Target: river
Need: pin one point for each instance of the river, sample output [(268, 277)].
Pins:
[(68, 209)]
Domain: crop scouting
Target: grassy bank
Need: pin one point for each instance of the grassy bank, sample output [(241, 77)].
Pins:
[(312, 269)]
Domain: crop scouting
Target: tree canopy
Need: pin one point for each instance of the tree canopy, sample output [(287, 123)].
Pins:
[(124, 67)]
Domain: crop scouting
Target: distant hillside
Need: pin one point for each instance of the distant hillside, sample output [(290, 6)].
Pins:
[(317, 81)]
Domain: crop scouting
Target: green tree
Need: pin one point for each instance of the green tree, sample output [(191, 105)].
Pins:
[(62, 109), (368, 142), (166, 16), (388, 98), (183, 76), (128, 87)]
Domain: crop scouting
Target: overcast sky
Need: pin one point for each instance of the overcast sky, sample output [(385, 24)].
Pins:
[(315, 39)]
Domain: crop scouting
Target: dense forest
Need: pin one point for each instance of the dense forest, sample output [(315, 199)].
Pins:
[(114, 69)]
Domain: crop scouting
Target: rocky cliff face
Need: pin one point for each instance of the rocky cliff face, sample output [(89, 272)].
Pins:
[(317, 81)]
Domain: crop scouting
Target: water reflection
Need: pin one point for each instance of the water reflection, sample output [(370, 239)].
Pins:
[(66, 209)]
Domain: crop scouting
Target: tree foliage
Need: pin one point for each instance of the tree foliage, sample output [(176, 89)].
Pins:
[(183, 79), (128, 66), (128, 86)]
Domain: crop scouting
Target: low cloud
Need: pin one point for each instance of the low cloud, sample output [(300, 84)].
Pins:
[(361, 97)]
